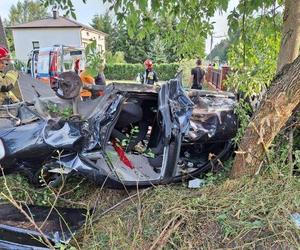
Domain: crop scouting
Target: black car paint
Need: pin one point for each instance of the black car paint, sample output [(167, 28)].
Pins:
[(79, 137), (17, 233)]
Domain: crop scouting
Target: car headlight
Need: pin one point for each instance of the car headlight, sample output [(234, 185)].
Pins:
[(2, 150)]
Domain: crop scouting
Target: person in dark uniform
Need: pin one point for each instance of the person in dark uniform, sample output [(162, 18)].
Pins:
[(77, 66), (100, 80), (197, 76), (150, 76)]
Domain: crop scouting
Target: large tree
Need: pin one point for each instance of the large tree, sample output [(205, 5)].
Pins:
[(3, 41), (135, 50), (290, 41), (279, 102), (185, 23), (104, 23), (26, 11), (22, 12), (220, 51), (155, 45)]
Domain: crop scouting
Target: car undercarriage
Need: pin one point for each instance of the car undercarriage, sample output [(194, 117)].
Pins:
[(133, 135)]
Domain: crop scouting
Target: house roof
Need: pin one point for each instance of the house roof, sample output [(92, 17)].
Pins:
[(59, 22)]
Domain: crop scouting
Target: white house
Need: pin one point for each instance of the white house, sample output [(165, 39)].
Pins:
[(55, 30)]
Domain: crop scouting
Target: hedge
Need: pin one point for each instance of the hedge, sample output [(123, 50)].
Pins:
[(126, 71)]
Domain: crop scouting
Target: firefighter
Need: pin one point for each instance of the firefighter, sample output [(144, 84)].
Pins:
[(86, 78), (77, 66), (100, 78), (150, 76), (8, 80)]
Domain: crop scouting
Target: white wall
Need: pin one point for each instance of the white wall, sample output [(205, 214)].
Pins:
[(47, 37), (87, 35)]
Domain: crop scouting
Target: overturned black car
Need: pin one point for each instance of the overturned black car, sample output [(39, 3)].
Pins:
[(132, 135)]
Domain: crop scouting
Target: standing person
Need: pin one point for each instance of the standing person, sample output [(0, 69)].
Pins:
[(77, 66), (197, 76), (100, 80), (8, 80), (150, 75)]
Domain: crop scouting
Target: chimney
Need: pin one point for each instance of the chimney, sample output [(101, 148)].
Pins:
[(55, 12)]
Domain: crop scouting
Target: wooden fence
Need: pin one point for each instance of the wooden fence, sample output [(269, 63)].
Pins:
[(216, 77)]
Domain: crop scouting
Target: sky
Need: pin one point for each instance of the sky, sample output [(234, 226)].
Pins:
[(220, 26), (85, 13)]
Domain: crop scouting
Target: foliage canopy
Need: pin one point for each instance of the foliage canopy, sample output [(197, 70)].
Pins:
[(187, 22), (22, 12), (26, 11)]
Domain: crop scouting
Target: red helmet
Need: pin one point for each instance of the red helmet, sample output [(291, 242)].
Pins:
[(4, 54), (148, 64)]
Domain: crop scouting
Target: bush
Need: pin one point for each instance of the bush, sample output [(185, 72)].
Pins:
[(186, 66), (19, 65), (122, 71), (118, 57), (126, 71), (166, 71)]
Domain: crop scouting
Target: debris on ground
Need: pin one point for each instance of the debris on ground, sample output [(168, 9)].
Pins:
[(296, 219), (196, 183)]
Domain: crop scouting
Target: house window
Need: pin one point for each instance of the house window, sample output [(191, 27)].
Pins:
[(35, 44), (87, 33), (100, 48)]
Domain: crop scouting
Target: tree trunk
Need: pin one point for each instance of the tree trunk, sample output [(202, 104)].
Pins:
[(290, 41), (277, 106)]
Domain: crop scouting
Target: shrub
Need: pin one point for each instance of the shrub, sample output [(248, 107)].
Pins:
[(19, 65), (166, 71), (117, 57), (186, 66), (126, 71), (122, 71)]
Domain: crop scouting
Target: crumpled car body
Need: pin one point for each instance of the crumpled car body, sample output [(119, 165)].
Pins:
[(133, 135), (58, 226)]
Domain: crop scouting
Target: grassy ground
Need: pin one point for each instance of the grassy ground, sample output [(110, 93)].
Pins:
[(225, 214), (235, 214)]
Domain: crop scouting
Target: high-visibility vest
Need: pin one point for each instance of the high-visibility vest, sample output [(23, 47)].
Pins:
[(11, 77)]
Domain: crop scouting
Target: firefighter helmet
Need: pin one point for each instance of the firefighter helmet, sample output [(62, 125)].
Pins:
[(4, 54), (148, 64)]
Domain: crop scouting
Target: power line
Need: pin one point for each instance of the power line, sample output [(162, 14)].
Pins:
[(211, 43)]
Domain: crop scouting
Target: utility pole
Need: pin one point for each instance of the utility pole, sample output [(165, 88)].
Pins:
[(211, 44), (3, 41)]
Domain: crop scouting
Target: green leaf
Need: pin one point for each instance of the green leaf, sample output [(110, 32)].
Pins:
[(143, 4), (73, 15)]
